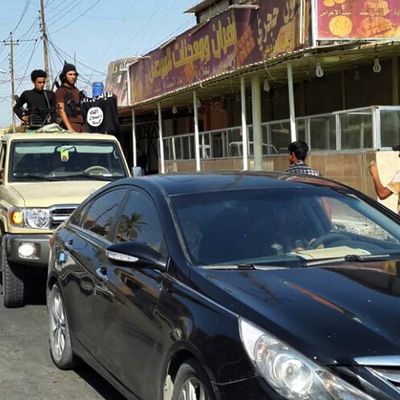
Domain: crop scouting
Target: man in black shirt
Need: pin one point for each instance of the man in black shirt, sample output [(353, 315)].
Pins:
[(40, 103)]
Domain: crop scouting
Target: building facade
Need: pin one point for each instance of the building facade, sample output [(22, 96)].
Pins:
[(258, 74)]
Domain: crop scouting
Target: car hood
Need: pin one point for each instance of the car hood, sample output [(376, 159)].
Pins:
[(48, 194), (335, 313)]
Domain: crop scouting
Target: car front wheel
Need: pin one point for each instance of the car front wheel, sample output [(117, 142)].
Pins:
[(192, 383), (59, 333)]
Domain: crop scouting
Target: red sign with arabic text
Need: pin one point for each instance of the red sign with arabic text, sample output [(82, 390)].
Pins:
[(232, 40), (358, 19)]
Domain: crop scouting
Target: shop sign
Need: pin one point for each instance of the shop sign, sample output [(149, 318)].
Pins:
[(357, 19), (117, 79), (232, 40)]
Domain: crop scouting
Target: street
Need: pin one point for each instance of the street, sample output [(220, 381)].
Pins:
[(26, 369)]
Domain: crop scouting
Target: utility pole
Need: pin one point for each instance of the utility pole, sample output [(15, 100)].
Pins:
[(12, 43), (45, 42)]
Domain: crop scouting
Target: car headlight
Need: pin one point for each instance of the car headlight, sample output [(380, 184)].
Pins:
[(35, 218), (291, 374)]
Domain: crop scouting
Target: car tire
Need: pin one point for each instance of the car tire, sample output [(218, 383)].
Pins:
[(192, 382), (13, 281), (59, 333)]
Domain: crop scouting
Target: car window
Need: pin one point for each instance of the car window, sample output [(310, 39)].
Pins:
[(99, 214), (347, 219), (251, 226), (139, 221)]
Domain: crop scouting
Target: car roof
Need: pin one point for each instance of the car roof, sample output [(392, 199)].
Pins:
[(57, 136), (177, 184)]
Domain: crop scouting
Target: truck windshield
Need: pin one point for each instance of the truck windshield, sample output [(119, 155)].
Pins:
[(65, 160)]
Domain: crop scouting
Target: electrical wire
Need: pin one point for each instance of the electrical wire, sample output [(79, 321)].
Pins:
[(27, 4), (53, 18), (178, 31), (78, 17), (64, 55), (22, 49), (28, 63), (141, 28), (29, 30), (116, 32), (81, 77)]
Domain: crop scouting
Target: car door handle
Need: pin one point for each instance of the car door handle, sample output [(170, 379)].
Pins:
[(102, 274), (68, 244)]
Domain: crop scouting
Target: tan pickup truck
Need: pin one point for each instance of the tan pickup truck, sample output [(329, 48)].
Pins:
[(43, 178)]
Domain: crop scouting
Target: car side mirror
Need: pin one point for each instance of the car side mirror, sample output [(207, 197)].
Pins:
[(137, 254)]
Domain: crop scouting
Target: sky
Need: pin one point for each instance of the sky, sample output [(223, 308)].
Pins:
[(90, 32)]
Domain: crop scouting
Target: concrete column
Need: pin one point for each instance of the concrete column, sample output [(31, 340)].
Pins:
[(160, 132), (196, 132), (257, 128), (343, 89), (395, 81), (134, 152), (293, 133), (245, 139)]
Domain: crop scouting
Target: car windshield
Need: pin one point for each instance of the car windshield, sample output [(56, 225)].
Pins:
[(275, 227), (42, 160)]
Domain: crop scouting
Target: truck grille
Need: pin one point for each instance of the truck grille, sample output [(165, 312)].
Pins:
[(59, 214)]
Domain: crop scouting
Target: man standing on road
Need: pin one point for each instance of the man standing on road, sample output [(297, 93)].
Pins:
[(40, 103), (383, 192), (68, 100), (298, 152)]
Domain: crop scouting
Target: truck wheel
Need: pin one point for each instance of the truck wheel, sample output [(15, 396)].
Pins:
[(13, 282)]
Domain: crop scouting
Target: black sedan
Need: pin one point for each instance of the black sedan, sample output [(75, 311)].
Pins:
[(230, 287)]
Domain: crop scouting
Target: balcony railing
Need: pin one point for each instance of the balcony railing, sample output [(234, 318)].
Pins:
[(376, 127)]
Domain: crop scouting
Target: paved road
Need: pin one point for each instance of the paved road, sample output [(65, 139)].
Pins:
[(26, 370)]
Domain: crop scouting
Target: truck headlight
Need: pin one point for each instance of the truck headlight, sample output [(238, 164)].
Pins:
[(291, 374), (35, 218)]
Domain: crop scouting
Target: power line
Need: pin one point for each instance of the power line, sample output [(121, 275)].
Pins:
[(78, 17), (62, 59), (144, 24), (27, 4), (176, 31), (64, 54), (23, 47), (28, 63), (29, 30), (11, 42), (67, 7)]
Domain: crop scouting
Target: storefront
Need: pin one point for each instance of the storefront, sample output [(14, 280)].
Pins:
[(257, 75)]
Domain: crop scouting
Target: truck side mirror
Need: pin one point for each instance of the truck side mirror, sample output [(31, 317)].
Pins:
[(137, 171)]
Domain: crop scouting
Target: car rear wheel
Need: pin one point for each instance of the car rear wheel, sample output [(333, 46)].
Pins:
[(13, 282), (59, 333), (192, 383)]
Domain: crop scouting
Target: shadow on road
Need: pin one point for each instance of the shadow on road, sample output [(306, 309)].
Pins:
[(98, 383)]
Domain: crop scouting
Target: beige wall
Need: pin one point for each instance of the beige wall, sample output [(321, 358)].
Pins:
[(348, 168)]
